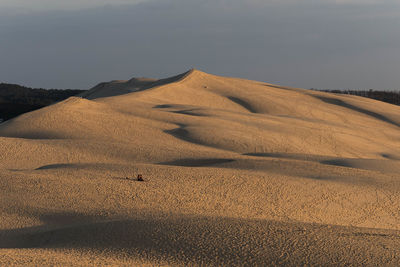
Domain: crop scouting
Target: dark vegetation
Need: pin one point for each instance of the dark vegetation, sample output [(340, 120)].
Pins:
[(392, 97), (16, 99)]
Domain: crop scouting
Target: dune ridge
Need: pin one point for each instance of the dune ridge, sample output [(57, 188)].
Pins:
[(292, 169)]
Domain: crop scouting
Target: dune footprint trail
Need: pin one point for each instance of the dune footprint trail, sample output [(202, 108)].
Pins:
[(236, 172)]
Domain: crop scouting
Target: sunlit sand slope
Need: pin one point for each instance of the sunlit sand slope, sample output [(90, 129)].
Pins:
[(236, 172)]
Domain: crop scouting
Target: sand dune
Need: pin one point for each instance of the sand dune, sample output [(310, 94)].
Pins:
[(237, 172)]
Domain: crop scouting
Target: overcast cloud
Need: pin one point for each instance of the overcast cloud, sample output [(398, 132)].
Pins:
[(40, 5), (310, 43)]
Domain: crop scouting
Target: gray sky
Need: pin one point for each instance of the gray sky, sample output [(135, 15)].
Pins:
[(308, 43)]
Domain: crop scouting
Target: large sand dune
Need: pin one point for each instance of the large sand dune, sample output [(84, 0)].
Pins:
[(237, 172)]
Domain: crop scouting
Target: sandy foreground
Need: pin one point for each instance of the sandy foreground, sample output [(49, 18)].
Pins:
[(236, 172)]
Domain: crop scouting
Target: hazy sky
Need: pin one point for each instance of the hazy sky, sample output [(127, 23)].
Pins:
[(308, 43)]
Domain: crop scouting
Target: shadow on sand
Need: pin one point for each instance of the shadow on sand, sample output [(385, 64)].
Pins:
[(192, 162), (210, 240), (341, 103), (388, 163)]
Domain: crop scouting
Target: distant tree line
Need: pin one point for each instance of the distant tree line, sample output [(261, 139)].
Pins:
[(16, 99), (392, 97)]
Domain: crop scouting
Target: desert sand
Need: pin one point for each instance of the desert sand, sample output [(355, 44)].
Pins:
[(236, 172)]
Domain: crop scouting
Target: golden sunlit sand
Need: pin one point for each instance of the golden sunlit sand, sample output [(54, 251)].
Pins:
[(236, 172)]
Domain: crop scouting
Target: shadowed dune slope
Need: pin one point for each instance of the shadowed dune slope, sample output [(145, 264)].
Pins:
[(309, 177), (120, 87)]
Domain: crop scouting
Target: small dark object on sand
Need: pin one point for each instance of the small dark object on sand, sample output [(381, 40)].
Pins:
[(140, 178)]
